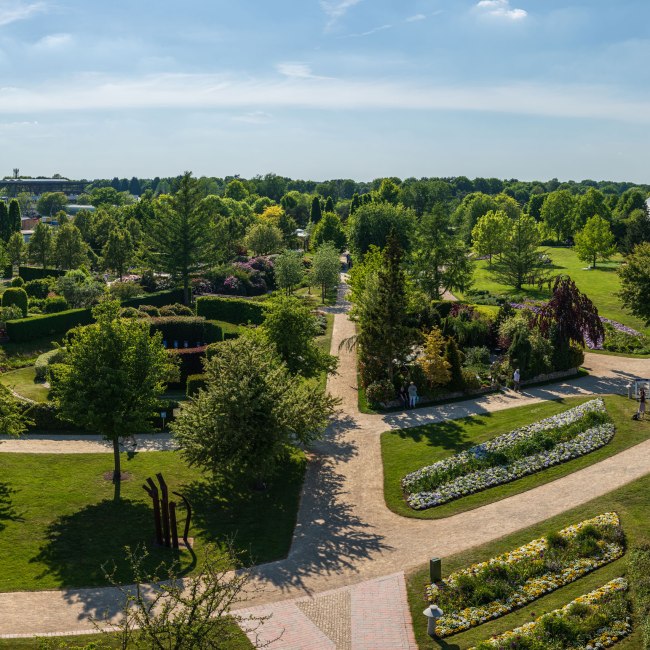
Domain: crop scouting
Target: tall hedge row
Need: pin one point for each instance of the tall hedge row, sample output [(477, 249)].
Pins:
[(28, 329), (28, 273), (232, 310), (36, 327)]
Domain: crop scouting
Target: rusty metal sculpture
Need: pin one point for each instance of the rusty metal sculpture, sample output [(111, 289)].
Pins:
[(164, 514)]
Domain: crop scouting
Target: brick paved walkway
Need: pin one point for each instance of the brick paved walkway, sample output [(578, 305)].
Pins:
[(372, 615)]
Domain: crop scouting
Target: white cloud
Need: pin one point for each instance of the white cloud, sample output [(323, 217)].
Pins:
[(10, 12), (294, 70), (501, 9), (374, 30), (223, 91), (413, 19), (53, 41), (336, 9)]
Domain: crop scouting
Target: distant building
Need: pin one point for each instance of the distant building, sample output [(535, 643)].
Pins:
[(27, 235), (72, 208), (38, 186)]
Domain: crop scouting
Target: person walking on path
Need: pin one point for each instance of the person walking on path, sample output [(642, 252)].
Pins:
[(413, 395), (641, 410), (404, 395), (517, 379)]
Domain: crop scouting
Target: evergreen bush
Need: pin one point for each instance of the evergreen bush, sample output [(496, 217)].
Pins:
[(15, 296)]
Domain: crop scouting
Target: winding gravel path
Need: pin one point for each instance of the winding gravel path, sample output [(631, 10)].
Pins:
[(345, 535)]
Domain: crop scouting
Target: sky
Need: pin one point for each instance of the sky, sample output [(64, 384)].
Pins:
[(319, 89)]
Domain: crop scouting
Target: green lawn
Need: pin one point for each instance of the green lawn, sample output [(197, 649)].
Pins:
[(600, 284), (103, 642), (407, 450), (23, 381), (630, 502), (58, 523)]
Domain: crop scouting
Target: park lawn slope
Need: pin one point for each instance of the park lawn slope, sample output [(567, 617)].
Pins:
[(59, 524), (630, 502), (406, 450), (23, 382), (601, 284)]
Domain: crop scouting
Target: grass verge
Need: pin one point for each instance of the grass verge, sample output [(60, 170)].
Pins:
[(407, 450), (630, 502), (58, 523)]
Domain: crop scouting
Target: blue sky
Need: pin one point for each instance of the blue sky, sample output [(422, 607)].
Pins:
[(326, 88)]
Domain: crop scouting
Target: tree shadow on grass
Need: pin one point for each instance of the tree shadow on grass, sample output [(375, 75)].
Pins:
[(80, 544), (451, 435), (7, 510)]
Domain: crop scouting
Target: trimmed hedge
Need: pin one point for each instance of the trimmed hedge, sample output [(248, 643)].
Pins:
[(15, 296), (45, 359), (28, 273), (36, 327), (45, 416), (190, 361), (158, 299), (237, 311), (195, 383), (180, 329)]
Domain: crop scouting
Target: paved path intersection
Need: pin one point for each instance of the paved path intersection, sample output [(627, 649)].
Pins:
[(342, 585)]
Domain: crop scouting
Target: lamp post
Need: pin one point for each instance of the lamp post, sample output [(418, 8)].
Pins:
[(163, 415)]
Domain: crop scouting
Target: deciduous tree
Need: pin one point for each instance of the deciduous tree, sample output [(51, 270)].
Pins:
[(595, 241), (118, 251), (114, 373), (558, 213), (635, 282), (251, 412), (433, 362), (289, 270), (326, 266), (39, 250), (489, 234), (70, 250)]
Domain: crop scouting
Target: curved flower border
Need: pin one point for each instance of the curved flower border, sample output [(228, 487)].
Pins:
[(607, 636), (458, 621), (580, 445)]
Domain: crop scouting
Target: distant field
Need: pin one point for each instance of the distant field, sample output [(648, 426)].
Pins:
[(600, 284)]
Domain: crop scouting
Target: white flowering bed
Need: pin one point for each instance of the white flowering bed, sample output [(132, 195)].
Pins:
[(458, 621), (605, 636), (475, 481)]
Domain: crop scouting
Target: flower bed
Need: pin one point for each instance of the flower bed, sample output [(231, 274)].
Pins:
[(524, 574), (598, 619), (520, 452)]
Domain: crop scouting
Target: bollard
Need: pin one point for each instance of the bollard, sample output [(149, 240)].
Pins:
[(435, 569), (433, 613)]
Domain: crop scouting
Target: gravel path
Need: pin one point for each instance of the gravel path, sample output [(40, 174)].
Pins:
[(345, 535)]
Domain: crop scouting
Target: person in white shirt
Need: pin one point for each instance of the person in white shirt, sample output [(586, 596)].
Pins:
[(517, 379)]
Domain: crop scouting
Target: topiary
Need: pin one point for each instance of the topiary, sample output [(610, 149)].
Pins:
[(131, 312), (15, 296), (37, 288), (55, 304), (18, 282), (149, 310)]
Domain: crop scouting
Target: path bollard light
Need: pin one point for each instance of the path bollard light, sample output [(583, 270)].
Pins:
[(163, 415), (433, 613), (435, 569)]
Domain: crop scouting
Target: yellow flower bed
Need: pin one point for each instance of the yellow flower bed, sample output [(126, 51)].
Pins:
[(604, 638), (460, 620)]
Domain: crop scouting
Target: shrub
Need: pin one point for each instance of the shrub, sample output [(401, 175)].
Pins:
[(232, 310), (38, 288), (478, 356), (55, 304), (10, 313), (131, 312), (180, 328), (471, 380), (18, 282), (149, 310), (158, 299), (44, 360), (380, 392), (45, 416), (125, 290), (15, 296), (176, 310), (195, 383), (453, 356)]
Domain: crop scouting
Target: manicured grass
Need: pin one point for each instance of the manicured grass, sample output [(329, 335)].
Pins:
[(23, 381), (600, 284), (103, 642), (630, 502), (58, 523), (407, 450)]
